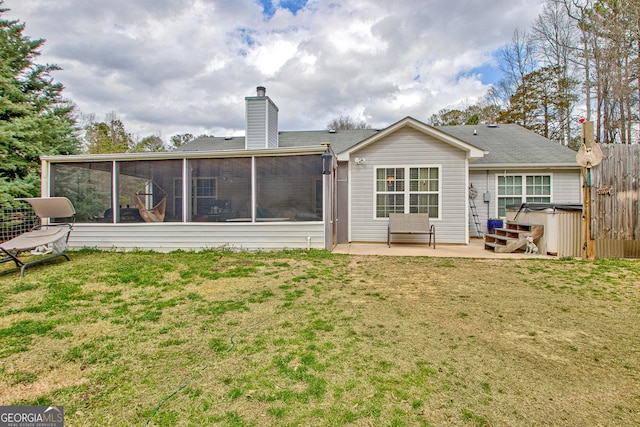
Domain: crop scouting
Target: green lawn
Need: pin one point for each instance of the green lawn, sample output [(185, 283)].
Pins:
[(312, 338)]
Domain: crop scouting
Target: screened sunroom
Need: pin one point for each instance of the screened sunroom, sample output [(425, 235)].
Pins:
[(249, 199)]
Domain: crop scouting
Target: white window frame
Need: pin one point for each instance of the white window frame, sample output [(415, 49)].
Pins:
[(524, 196), (407, 188), (193, 191)]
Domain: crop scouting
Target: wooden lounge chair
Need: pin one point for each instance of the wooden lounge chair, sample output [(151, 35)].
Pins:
[(45, 239)]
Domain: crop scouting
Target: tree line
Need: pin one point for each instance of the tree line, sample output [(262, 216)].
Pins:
[(110, 136), (580, 58)]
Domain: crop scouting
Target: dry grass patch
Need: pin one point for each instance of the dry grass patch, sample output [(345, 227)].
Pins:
[(310, 338)]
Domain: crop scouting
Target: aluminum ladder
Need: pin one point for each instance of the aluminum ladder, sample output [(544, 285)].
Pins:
[(473, 193)]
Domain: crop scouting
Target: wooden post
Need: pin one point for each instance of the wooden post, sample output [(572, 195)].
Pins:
[(588, 244)]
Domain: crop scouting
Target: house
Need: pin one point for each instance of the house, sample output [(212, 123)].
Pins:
[(308, 189)]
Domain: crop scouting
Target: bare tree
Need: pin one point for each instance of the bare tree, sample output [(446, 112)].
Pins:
[(517, 62), (591, 51), (614, 24), (345, 123), (555, 38), (610, 36)]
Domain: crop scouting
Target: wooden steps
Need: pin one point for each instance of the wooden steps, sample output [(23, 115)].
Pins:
[(512, 237)]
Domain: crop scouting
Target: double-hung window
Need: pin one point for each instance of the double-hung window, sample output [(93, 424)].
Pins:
[(204, 194), (516, 189), (408, 190)]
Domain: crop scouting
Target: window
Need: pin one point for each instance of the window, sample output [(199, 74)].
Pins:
[(204, 191), (389, 191), (516, 189), (422, 191), (509, 193), (539, 189)]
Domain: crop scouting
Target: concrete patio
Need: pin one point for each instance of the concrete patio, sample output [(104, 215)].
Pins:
[(475, 249)]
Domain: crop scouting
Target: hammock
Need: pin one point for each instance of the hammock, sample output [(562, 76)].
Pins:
[(156, 213)]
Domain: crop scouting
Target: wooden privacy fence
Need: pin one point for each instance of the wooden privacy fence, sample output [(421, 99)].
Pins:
[(615, 209)]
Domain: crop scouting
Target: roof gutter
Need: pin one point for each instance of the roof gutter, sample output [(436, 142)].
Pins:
[(502, 166), (211, 154)]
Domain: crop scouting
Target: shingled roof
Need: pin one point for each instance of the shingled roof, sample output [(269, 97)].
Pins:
[(504, 145), (509, 144), (340, 140)]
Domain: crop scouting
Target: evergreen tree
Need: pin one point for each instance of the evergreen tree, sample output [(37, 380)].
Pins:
[(150, 144), (540, 100), (484, 112), (34, 118)]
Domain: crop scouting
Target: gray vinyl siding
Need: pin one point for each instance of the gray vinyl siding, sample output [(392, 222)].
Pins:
[(262, 124), (165, 237), (408, 147), (256, 124), (483, 181), (565, 188), (272, 131)]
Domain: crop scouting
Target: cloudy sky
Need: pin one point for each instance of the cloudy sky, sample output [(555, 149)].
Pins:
[(178, 66)]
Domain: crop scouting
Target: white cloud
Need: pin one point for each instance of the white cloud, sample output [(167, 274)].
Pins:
[(272, 55), (174, 66)]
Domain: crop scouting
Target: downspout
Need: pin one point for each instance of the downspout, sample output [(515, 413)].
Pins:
[(467, 234), (115, 208), (253, 188), (45, 189), (186, 190), (328, 172), (489, 198)]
